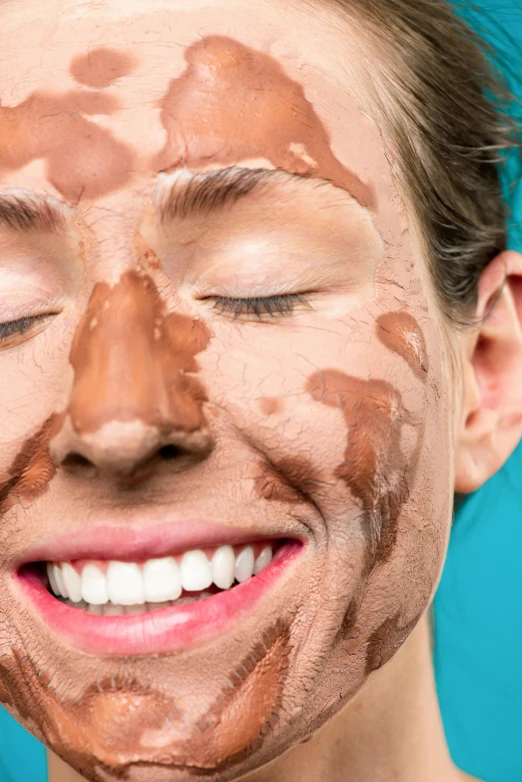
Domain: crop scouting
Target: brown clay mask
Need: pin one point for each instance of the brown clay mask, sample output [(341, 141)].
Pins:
[(238, 343)]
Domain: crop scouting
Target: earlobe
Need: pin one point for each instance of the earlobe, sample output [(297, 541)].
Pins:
[(491, 424)]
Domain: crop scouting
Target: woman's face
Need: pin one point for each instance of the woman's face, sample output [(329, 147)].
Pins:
[(141, 419)]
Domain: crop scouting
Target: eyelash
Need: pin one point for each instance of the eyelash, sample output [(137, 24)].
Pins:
[(19, 326), (268, 305)]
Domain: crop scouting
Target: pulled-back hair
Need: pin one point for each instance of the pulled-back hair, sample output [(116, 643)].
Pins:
[(446, 107)]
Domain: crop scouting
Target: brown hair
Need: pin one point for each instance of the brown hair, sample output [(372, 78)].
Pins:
[(449, 120)]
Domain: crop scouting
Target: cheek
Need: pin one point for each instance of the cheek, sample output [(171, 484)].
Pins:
[(259, 392), (313, 420), (355, 423), (29, 474), (400, 333), (375, 468)]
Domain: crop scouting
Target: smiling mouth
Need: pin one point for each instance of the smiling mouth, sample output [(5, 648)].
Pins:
[(114, 588), (159, 605)]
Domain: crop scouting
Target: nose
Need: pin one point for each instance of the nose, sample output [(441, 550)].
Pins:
[(136, 399), (128, 448)]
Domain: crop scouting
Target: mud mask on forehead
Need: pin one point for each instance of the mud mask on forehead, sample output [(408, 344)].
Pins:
[(247, 112)]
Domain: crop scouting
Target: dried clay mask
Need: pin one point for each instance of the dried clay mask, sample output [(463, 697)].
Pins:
[(223, 375)]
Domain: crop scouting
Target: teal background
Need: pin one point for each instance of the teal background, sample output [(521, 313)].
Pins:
[(478, 631), (478, 616)]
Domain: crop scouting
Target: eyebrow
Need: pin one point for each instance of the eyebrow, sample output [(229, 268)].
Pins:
[(30, 212), (205, 192), (190, 193)]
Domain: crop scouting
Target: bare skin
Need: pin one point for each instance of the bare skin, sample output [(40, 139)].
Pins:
[(314, 425)]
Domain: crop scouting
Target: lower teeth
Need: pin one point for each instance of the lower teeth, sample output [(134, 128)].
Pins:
[(110, 609)]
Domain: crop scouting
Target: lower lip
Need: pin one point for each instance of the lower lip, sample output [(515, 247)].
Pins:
[(165, 630)]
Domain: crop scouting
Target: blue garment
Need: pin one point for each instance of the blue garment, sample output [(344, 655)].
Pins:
[(478, 616)]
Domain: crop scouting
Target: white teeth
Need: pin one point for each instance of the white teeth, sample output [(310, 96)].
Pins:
[(125, 583), (59, 580), (223, 567), (161, 580), (72, 582), (129, 588), (263, 560), (52, 578), (195, 570), (94, 585), (245, 564)]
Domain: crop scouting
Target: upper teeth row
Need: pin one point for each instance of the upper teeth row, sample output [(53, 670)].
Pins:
[(157, 580)]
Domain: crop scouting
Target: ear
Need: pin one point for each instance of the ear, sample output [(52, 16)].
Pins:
[(491, 423)]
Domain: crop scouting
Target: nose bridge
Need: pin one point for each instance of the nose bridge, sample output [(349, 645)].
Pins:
[(134, 387)]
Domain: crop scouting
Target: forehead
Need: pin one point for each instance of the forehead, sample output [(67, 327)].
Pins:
[(171, 83), (49, 33)]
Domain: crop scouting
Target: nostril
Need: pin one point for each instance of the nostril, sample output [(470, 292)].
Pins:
[(76, 460), (169, 452)]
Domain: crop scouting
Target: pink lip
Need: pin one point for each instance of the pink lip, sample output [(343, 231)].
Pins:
[(136, 543), (161, 631)]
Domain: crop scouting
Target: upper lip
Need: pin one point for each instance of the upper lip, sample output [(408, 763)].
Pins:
[(134, 543)]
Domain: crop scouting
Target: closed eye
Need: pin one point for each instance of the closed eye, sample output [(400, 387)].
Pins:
[(275, 306), (17, 327)]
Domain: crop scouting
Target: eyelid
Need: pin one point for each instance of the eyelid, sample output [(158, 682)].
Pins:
[(30, 308), (13, 329), (280, 305)]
